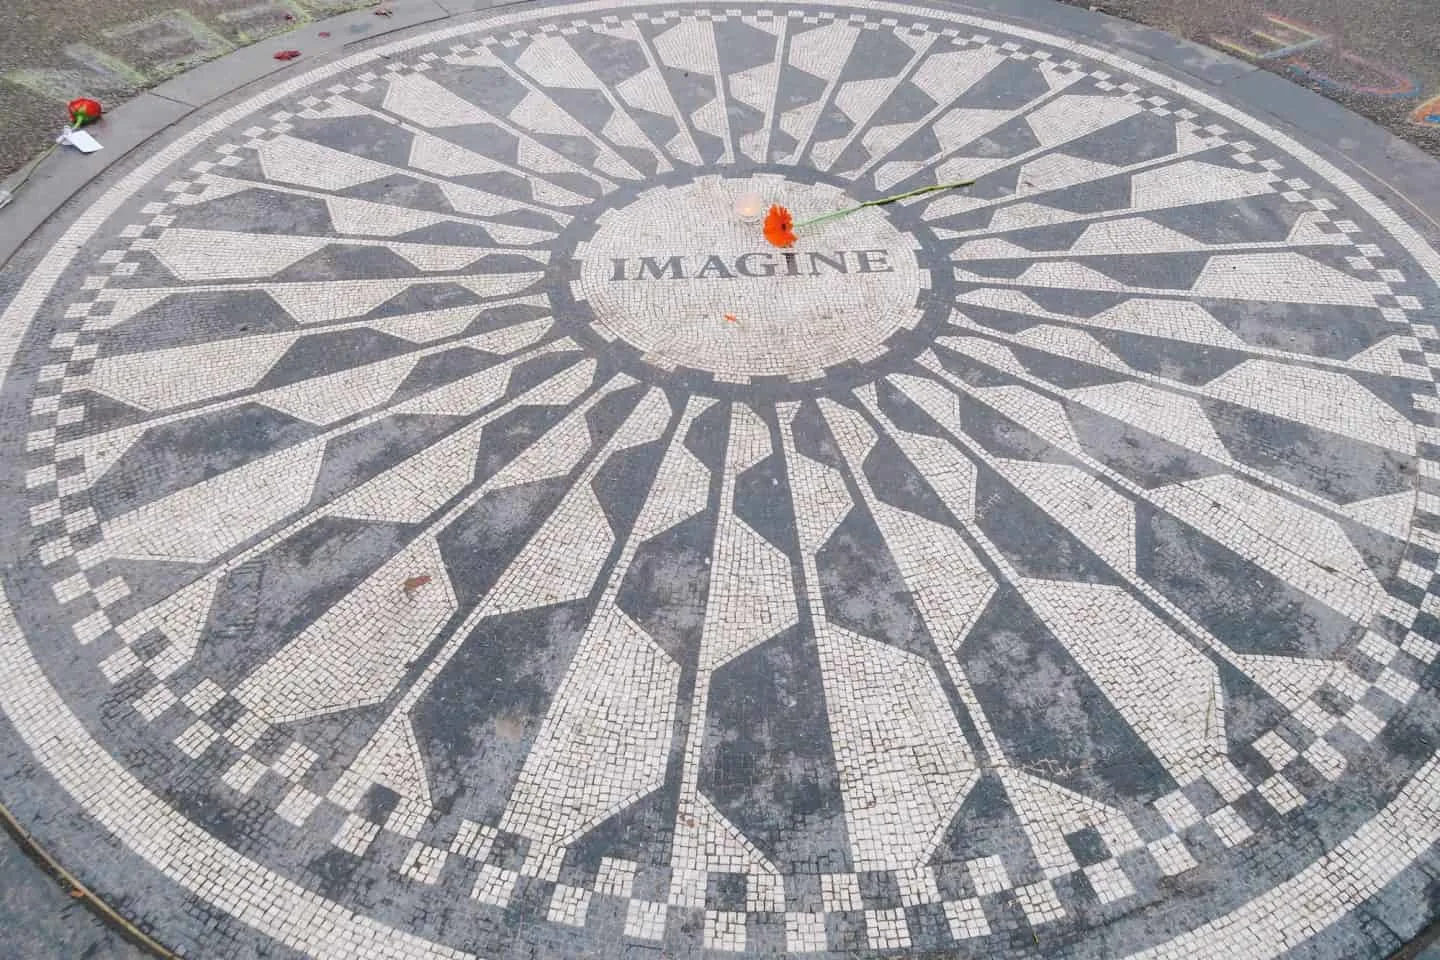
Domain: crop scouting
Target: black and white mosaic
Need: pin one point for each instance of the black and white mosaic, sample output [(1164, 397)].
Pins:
[(449, 529)]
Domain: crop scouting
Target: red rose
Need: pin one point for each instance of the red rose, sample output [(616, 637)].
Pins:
[(83, 110)]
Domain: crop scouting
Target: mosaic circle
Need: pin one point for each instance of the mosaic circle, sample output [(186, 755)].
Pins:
[(450, 528)]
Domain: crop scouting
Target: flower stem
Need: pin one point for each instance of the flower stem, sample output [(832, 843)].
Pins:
[(884, 200)]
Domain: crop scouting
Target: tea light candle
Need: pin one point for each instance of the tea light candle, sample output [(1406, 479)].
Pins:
[(749, 206)]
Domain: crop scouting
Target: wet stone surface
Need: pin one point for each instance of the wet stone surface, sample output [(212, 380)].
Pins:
[(443, 526)]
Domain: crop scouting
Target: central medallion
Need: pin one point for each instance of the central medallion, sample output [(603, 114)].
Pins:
[(682, 277)]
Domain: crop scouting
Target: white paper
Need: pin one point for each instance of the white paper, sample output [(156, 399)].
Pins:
[(80, 140)]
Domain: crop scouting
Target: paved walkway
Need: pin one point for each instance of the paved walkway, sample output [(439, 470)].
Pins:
[(1380, 58), (450, 529), (56, 50)]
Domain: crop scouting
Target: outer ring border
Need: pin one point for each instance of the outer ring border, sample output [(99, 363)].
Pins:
[(1352, 871)]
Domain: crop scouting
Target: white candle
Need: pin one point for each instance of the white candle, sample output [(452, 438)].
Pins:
[(749, 206)]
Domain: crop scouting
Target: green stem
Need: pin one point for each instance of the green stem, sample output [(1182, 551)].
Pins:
[(883, 200)]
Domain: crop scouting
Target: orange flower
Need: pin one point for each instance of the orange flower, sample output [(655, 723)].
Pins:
[(779, 228)]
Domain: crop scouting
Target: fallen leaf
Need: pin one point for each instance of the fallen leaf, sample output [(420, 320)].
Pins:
[(731, 318), (287, 54), (77, 893), (415, 583)]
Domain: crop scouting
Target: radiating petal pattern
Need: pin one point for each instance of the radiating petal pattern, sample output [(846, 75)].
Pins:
[(454, 500)]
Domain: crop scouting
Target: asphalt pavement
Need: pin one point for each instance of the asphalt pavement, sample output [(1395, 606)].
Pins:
[(1380, 58)]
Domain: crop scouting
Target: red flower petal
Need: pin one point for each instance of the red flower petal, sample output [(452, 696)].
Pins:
[(779, 227), (84, 109)]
